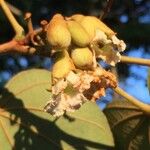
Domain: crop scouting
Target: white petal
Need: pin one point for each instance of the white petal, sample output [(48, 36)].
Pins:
[(101, 37), (59, 86), (73, 78), (121, 46), (64, 103), (109, 55)]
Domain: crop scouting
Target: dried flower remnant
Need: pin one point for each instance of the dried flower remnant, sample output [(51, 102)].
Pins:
[(71, 92), (62, 103), (65, 97), (107, 53), (107, 48)]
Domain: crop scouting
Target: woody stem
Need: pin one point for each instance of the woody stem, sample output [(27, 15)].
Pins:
[(16, 26), (144, 107)]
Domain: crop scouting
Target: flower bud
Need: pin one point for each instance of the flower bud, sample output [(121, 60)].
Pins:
[(58, 34), (91, 24), (82, 58), (63, 65)]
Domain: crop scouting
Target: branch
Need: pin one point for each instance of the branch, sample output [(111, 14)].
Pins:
[(13, 46), (106, 9), (16, 26), (132, 60), (144, 107), (15, 10)]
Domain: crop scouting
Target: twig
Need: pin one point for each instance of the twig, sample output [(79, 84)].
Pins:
[(132, 60), (14, 9), (16, 26), (144, 107), (14, 46), (106, 9)]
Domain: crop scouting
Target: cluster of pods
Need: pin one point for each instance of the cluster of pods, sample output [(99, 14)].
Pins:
[(77, 42)]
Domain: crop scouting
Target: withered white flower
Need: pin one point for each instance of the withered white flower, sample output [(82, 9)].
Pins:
[(76, 88), (59, 86), (109, 55), (61, 103), (120, 45), (65, 96), (101, 37), (108, 48)]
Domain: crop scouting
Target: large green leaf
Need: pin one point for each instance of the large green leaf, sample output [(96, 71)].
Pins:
[(130, 126), (24, 125)]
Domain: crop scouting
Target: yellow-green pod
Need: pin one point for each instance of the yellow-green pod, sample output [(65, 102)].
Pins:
[(58, 34), (82, 58), (62, 65), (78, 34), (91, 24), (77, 17)]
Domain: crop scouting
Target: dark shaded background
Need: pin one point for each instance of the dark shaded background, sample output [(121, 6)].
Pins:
[(130, 19)]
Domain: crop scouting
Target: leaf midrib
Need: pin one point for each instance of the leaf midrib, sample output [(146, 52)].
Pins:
[(40, 110)]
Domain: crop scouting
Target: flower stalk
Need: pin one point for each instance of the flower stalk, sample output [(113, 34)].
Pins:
[(132, 60), (16, 26), (144, 107)]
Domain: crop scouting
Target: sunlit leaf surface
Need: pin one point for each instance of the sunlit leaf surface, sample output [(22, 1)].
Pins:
[(24, 125)]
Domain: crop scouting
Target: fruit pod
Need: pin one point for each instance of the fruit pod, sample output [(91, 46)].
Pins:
[(78, 34), (62, 65), (82, 58), (91, 24), (77, 17), (58, 34)]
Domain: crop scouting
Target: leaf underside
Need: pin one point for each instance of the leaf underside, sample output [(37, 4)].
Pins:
[(24, 124), (130, 126)]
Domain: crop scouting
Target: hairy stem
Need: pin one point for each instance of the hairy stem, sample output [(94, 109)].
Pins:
[(16, 26), (132, 60), (144, 107)]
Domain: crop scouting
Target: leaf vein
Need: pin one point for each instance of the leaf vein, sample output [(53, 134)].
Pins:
[(34, 131), (6, 134), (127, 118)]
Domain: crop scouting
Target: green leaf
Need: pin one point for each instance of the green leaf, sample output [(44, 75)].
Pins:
[(130, 126), (24, 124), (148, 80)]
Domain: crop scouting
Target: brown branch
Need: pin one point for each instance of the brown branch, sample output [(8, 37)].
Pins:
[(106, 10), (13, 46), (16, 47), (25, 46)]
